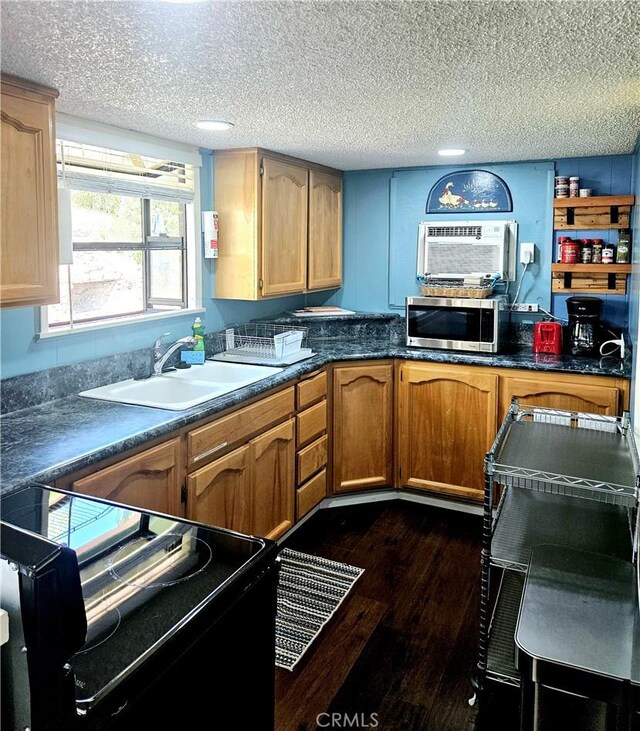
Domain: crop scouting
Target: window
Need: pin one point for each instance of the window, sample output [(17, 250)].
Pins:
[(131, 233)]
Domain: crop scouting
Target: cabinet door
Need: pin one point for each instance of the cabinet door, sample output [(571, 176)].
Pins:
[(284, 227), (272, 478), (447, 420), (29, 244), (151, 480), (551, 393), (220, 493), (362, 427), (325, 230)]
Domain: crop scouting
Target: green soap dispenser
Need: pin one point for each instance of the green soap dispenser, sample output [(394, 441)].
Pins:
[(198, 333)]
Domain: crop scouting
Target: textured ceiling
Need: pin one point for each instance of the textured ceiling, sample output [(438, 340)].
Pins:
[(353, 84)]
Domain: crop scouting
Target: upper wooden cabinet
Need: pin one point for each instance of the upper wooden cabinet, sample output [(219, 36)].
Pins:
[(325, 230), (362, 426), (29, 243), (280, 225), (447, 420), (284, 227)]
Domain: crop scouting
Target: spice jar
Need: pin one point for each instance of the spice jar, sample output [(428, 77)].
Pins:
[(607, 254), (624, 246), (586, 251), (596, 251), (574, 187), (561, 241), (570, 252)]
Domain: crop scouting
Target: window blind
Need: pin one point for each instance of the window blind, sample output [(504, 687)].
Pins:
[(82, 166)]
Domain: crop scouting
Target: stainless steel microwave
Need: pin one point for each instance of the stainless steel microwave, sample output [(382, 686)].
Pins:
[(476, 325)]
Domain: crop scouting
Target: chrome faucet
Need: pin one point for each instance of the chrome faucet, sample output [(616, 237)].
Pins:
[(161, 356)]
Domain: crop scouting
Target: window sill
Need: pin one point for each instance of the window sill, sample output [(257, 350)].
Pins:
[(135, 320)]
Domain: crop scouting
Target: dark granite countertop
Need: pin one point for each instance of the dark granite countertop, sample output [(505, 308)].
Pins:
[(45, 442)]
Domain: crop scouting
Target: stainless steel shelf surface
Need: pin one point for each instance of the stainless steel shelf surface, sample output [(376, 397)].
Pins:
[(580, 458), (579, 610), (527, 518), (501, 654)]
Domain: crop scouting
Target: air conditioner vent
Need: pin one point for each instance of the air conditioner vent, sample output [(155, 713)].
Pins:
[(442, 231)]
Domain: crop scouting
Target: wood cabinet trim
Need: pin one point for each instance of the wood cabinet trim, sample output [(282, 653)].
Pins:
[(15, 85)]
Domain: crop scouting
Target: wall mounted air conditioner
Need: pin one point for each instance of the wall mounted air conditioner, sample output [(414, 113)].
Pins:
[(467, 248)]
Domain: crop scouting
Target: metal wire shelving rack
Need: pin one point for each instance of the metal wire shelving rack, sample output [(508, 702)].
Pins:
[(563, 477)]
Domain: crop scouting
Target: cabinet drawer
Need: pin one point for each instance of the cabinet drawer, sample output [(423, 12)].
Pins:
[(242, 424), (312, 458), (312, 390), (312, 423), (311, 493)]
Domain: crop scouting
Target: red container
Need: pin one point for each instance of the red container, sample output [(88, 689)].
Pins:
[(570, 252), (547, 338)]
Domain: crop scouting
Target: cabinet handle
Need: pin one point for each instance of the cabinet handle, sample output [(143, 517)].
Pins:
[(210, 451)]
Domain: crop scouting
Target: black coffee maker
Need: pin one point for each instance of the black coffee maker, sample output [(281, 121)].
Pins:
[(585, 333)]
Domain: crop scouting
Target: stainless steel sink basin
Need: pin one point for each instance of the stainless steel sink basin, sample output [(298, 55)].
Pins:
[(183, 389)]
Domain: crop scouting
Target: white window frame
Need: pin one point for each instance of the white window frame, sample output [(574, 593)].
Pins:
[(95, 133)]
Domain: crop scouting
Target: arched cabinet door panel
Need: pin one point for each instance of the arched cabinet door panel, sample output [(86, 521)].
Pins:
[(577, 395), (151, 480), (220, 493), (29, 241), (362, 427), (447, 420)]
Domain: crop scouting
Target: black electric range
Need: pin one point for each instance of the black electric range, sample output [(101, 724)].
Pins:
[(131, 618)]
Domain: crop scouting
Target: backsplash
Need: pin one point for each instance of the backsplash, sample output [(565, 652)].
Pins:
[(25, 391)]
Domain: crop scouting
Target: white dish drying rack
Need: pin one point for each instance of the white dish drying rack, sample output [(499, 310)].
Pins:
[(263, 343)]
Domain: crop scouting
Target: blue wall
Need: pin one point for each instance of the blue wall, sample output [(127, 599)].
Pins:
[(23, 352), (383, 209)]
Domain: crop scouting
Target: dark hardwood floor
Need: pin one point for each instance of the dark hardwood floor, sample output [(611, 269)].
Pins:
[(402, 645)]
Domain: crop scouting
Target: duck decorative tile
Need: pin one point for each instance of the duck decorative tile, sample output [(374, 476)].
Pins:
[(469, 190)]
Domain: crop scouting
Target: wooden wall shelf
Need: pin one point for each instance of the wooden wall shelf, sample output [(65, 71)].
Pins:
[(594, 200), (596, 212), (589, 278), (593, 268)]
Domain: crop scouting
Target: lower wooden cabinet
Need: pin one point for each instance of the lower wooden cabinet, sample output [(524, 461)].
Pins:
[(447, 420), (220, 493), (362, 426), (250, 490), (272, 481), (285, 459), (559, 391), (151, 480)]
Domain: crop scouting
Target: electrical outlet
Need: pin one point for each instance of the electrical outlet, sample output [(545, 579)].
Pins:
[(525, 307), (527, 253)]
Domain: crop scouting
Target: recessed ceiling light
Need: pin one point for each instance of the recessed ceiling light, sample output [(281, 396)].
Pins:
[(451, 153), (214, 125)]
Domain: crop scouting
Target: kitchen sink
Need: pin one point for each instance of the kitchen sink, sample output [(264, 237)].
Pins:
[(182, 389)]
